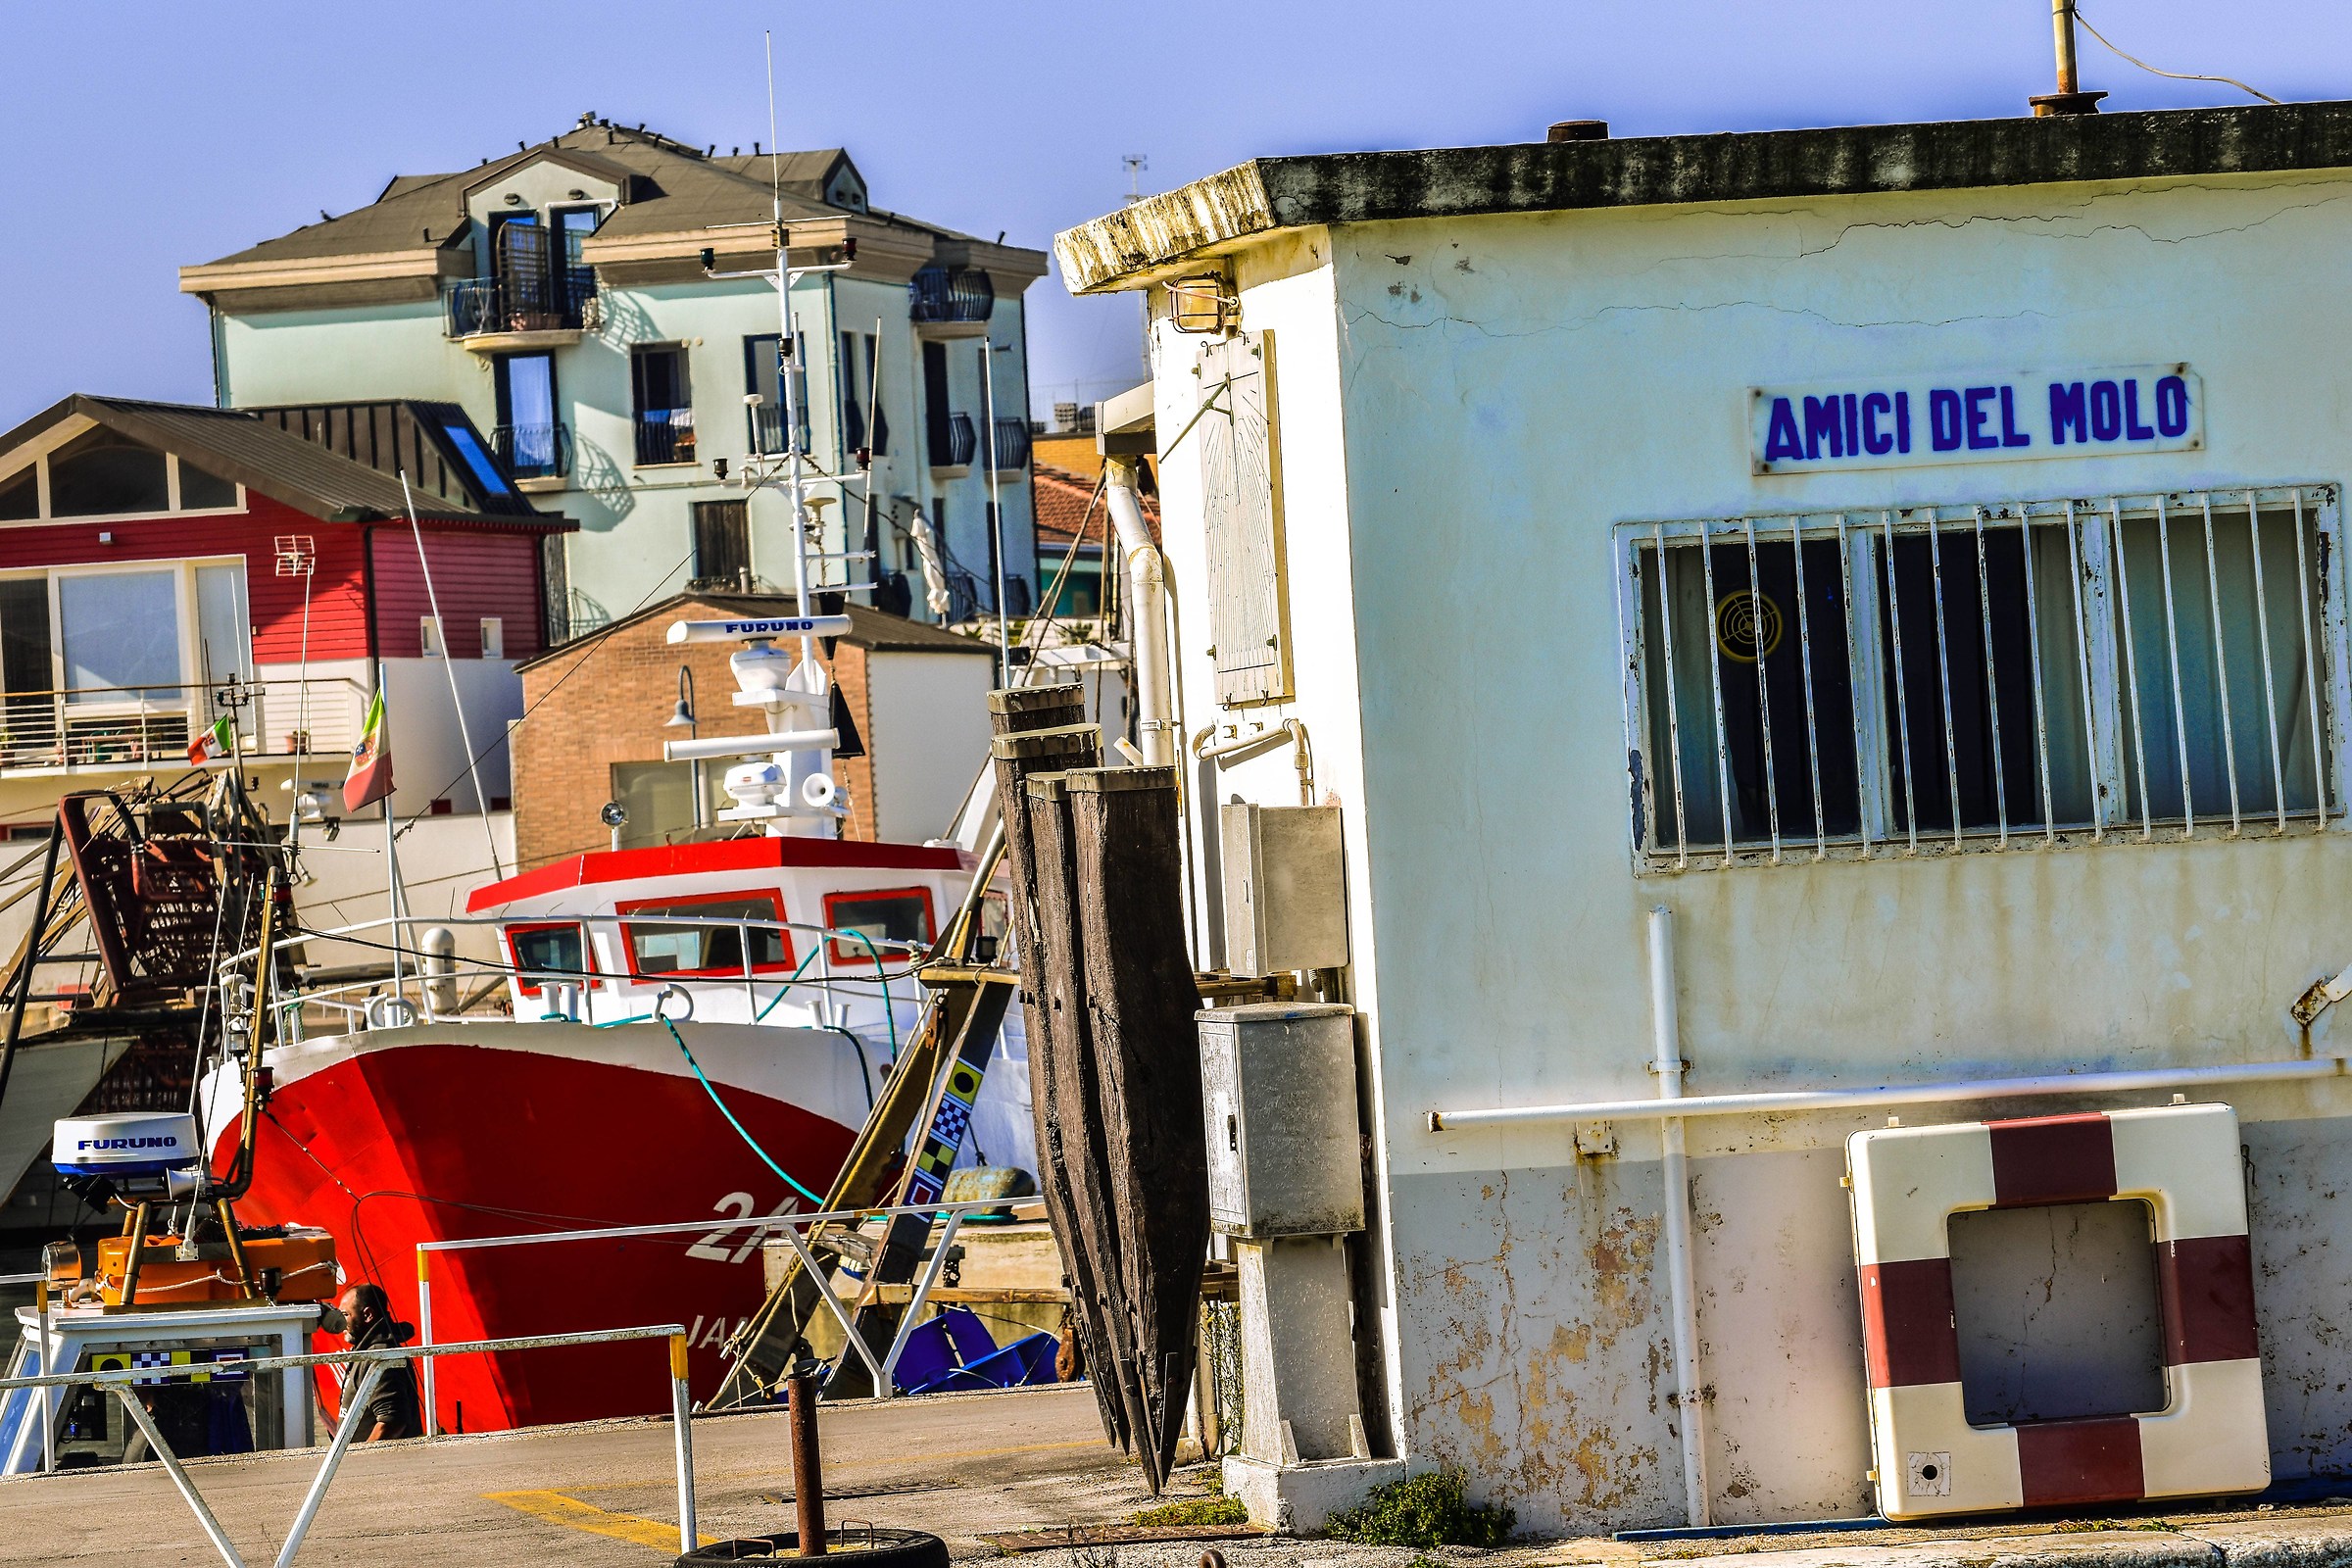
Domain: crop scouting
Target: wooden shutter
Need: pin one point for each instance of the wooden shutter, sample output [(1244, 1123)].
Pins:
[(1241, 487)]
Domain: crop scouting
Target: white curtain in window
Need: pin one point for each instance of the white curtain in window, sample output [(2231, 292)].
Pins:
[(121, 634)]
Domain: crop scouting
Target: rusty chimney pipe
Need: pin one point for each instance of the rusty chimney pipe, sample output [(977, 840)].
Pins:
[(2069, 98), (808, 1468)]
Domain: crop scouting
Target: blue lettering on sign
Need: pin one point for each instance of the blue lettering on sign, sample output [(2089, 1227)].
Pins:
[(2151, 408), (1943, 420)]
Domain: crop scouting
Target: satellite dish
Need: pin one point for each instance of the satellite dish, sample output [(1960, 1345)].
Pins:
[(817, 791)]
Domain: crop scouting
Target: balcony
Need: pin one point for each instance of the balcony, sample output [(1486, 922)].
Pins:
[(521, 308), (533, 451), (954, 441), (150, 726), (951, 300), (664, 435), (1013, 444)]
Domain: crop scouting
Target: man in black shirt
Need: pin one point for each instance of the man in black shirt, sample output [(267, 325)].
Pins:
[(369, 1325)]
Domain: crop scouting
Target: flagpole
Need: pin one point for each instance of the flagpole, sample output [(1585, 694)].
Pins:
[(383, 737), (482, 798)]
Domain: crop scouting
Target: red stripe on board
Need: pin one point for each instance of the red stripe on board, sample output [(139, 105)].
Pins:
[(2052, 1160), (2079, 1461), (1907, 1332), (2206, 1284)]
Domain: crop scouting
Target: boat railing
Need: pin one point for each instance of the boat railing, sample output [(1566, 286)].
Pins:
[(439, 979), (951, 1215)]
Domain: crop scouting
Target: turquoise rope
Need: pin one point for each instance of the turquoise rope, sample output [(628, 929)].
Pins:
[(749, 1141)]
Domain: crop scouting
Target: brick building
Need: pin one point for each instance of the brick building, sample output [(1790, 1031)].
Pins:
[(597, 712)]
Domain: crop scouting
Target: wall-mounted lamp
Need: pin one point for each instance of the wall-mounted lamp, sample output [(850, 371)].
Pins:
[(719, 467), (576, 195), (1200, 303), (514, 198)]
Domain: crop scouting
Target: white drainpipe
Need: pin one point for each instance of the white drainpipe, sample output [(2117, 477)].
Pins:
[(1690, 1395), (1147, 615)]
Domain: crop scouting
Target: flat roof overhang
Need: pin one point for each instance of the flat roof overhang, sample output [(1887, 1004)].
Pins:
[(1161, 236)]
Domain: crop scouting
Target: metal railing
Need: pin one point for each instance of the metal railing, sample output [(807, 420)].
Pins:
[(767, 431), (954, 441), (371, 1364), (103, 726), (520, 302), (950, 294), (533, 451), (1946, 679), (366, 1002), (664, 435), (1012, 444), (791, 1225)]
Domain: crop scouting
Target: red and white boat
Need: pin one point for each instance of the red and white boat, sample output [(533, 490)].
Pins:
[(585, 1110)]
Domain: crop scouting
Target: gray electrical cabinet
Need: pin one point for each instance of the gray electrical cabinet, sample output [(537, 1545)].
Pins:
[(1285, 891), (1278, 1087)]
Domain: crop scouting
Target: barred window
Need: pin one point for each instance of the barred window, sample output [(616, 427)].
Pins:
[(1956, 678)]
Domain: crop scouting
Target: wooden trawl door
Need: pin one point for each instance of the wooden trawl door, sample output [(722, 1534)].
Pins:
[(1240, 488)]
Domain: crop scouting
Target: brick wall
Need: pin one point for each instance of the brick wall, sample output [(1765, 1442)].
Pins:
[(605, 700)]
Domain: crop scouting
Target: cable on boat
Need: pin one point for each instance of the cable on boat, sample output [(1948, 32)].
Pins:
[(749, 1141)]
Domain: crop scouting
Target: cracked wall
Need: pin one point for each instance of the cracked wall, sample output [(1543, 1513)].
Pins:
[(1509, 388)]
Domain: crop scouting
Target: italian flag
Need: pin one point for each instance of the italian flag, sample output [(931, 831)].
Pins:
[(370, 776), (212, 745)]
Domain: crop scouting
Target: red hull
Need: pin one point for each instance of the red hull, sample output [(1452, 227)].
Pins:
[(438, 1141)]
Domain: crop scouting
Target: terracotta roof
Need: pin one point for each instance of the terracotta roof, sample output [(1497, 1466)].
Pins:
[(1062, 502)]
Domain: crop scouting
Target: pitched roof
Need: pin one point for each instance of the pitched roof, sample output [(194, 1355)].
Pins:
[(1065, 502), (262, 455), (668, 187), (875, 630)]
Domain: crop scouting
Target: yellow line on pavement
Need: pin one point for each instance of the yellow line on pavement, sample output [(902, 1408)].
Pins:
[(557, 1508), (770, 1471)]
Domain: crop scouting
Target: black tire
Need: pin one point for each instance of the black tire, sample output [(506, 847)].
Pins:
[(885, 1548)]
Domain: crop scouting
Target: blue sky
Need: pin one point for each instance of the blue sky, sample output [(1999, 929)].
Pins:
[(146, 136)]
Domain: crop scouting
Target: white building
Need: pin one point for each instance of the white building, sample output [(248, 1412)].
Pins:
[(560, 294), (2083, 381)]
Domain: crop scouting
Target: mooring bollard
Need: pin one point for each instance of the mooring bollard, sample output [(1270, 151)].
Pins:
[(807, 1467)]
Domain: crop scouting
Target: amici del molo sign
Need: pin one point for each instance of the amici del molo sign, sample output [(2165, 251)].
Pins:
[(1975, 419)]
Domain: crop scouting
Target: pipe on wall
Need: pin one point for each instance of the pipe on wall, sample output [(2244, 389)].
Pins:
[(1690, 1395), (1156, 721)]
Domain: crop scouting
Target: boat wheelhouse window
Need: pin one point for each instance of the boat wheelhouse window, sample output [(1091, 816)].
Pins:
[(896, 914), (691, 936), (1982, 678), (557, 951)]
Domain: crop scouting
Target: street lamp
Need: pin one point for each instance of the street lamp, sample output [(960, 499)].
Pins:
[(683, 716)]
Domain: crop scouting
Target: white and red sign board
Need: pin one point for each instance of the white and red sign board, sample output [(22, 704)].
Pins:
[(2183, 1162)]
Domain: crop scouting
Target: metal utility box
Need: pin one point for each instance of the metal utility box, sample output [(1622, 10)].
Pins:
[(1286, 894), (1278, 1087)]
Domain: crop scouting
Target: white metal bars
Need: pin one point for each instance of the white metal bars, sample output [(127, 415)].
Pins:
[(371, 1364), (2096, 681)]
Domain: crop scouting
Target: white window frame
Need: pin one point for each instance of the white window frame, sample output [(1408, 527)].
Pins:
[(432, 643), (1858, 531), (494, 637), (172, 508)]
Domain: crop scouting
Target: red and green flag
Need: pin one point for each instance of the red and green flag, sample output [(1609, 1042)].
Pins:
[(371, 777), (212, 745)]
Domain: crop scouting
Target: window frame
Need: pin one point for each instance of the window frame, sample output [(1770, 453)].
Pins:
[(45, 515), (856, 954), (672, 921), (509, 930), (2101, 664)]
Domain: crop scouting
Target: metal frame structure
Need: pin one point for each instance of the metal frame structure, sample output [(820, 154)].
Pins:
[(790, 1224), (372, 1363)]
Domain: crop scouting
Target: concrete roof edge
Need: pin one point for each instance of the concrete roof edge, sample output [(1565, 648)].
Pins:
[(1142, 243)]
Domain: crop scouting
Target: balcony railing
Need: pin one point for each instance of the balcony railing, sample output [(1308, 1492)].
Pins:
[(950, 294), (664, 435), (520, 302), (533, 451), (1012, 444), (954, 441), (150, 726)]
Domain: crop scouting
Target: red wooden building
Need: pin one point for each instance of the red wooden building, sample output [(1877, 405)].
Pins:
[(151, 552)]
